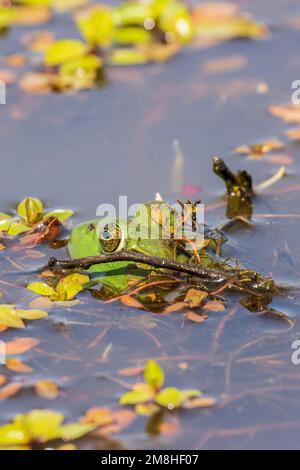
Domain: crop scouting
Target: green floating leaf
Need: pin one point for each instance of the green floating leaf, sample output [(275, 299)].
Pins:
[(7, 17), (132, 13), (154, 374), (127, 56), (69, 286), (61, 214), (142, 393), (176, 20), (169, 397), (40, 426), (16, 228), (96, 26), (187, 394), (31, 314), (63, 51), (30, 210), (41, 288), (131, 35), (80, 73), (73, 431)]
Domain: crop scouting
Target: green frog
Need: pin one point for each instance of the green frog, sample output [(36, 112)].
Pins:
[(107, 235)]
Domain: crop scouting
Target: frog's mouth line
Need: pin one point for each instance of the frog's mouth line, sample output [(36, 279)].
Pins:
[(239, 279)]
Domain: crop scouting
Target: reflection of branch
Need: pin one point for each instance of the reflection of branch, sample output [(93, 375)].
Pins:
[(238, 279)]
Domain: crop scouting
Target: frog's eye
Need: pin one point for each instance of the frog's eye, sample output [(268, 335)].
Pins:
[(111, 238)]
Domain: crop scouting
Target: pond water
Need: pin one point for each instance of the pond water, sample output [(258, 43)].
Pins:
[(81, 150)]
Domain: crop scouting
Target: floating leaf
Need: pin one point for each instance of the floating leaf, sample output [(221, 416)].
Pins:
[(60, 214), (32, 15), (288, 113), (64, 50), (201, 402), (70, 432), (18, 366), (99, 416), (41, 288), (30, 210), (70, 285), (3, 380), (31, 314), (194, 317), (46, 389), (96, 26), (127, 56), (292, 133), (9, 317), (187, 394), (146, 409), (214, 306), (20, 345), (10, 390), (132, 13), (257, 151), (131, 35), (67, 5), (154, 375), (80, 73), (129, 301), (169, 397), (7, 17), (141, 393), (176, 21)]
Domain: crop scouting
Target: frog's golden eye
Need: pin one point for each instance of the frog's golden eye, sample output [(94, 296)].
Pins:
[(111, 238)]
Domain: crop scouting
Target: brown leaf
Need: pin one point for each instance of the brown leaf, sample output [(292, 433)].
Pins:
[(99, 416), (34, 82), (131, 372), (20, 345), (288, 113), (131, 302), (177, 307), (46, 389), (7, 77), (294, 133), (200, 402), (214, 306), (18, 366), (3, 380), (15, 60), (10, 390), (194, 317)]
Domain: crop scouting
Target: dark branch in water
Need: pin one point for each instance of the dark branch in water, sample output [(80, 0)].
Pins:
[(241, 280), (239, 189)]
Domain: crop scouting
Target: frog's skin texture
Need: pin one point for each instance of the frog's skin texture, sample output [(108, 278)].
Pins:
[(102, 235)]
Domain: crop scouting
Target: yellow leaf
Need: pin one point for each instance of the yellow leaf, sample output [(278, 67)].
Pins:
[(9, 317), (169, 398), (31, 314), (41, 288), (154, 375)]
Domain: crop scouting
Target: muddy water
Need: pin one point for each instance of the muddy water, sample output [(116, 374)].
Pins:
[(81, 150)]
